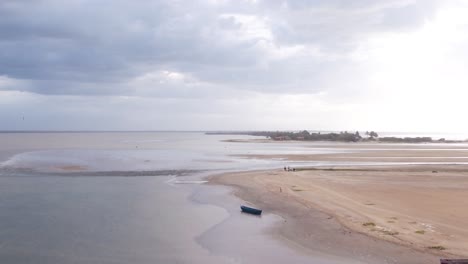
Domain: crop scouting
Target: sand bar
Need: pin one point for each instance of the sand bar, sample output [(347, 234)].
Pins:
[(389, 214)]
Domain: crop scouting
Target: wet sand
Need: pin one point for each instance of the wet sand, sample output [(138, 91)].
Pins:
[(125, 219), (378, 214), (380, 153)]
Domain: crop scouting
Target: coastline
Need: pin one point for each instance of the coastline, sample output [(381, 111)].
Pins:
[(320, 222), (243, 238), (299, 225)]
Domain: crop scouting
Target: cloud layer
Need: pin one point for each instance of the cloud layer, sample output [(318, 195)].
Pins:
[(212, 60)]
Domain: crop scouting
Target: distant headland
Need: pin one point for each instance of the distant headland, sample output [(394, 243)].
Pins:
[(344, 136)]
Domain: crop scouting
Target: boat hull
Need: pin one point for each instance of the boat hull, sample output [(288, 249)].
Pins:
[(251, 210)]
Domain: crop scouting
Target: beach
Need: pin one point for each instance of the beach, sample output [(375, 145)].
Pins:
[(144, 197), (134, 197), (412, 210)]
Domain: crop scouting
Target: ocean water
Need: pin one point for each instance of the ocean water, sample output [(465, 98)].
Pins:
[(138, 197), (119, 198), (50, 152)]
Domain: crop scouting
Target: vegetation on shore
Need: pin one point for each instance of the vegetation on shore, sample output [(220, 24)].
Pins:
[(344, 136), (437, 247)]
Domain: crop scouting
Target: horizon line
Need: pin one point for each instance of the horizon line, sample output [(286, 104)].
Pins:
[(212, 130)]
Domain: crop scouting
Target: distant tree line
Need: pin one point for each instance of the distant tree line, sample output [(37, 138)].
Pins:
[(316, 136), (344, 136), (406, 139)]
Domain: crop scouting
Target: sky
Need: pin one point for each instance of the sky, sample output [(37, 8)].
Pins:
[(389, 65)]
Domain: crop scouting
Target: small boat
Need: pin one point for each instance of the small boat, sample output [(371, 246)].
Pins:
[(250, 210)]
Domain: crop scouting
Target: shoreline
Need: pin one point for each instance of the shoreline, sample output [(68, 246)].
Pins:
[(325, 229), (263, 139), (313, 218)]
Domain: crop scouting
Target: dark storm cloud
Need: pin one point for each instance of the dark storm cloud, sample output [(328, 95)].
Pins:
[(102, 47)]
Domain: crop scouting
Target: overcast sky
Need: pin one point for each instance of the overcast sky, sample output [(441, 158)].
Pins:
[(390, 65)]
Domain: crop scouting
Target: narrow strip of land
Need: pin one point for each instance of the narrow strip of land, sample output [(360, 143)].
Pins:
[(408, 213)]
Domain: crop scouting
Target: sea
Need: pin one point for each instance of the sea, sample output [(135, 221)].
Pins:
[(137, 197)]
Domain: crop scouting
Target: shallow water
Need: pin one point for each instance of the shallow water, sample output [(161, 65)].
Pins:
[(104, 213), (244, 238), (50, 152), (101, 220), (90, 217)]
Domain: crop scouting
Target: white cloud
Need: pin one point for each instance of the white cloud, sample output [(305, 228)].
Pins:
[(248, 27), (234, 64), (7, 83), (162, 77)]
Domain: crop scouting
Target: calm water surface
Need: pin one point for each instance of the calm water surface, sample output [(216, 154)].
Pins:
[(77, 198), (65, 198)]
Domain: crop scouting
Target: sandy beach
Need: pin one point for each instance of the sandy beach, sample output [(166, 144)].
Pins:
[(385, 214)]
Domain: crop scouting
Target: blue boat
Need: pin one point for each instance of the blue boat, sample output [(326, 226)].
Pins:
[(250, 210)]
